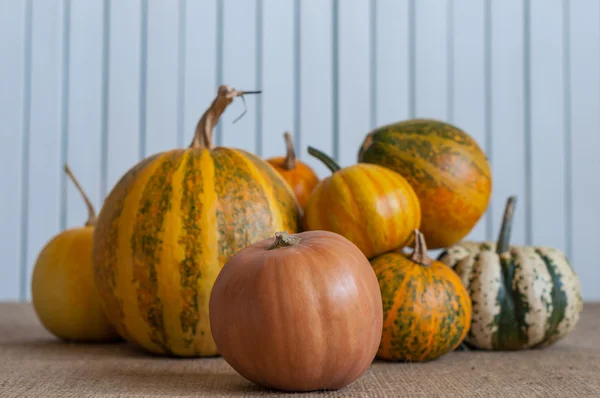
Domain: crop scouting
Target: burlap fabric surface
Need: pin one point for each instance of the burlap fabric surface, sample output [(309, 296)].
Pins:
[(34, 364)]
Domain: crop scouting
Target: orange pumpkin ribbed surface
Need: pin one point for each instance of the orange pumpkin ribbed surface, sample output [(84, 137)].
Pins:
[(299, 312)]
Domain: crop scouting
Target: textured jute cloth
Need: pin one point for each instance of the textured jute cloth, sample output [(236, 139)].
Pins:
[(34, 364)]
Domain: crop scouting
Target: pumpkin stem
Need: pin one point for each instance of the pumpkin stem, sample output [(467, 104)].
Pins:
[(91, 212), (203, 137), (328, 161), (505, 228), (289, 163), (419, 255), (283, 239)]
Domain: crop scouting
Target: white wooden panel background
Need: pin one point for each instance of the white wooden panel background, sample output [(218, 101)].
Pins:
[(103, 83)]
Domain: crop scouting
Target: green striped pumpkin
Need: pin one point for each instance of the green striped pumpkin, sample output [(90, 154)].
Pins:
[(426, 309), (447, 169), (523, 296), (170, 224)]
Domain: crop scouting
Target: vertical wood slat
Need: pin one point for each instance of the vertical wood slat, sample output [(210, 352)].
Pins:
[(335, 78), (316, 101), (162, 77), (105, 103), (239, 71), (65, 79), (507, 114), (181, 61), (277, 76), (84, 122), (123, 89), (200, 69), (467, 91), (354, 73), (547, 133), (45, 129), (584, 79), (13, 98), (431, 59), (26, 155), (258, 70), (143, 78), (392, 80)]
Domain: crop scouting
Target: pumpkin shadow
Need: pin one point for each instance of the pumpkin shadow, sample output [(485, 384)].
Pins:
[(194, 379), (181, 381)]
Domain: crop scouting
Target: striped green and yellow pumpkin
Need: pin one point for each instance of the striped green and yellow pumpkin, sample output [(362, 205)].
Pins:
[(523, 296), (170, 224), (426, 309), (448, 171)]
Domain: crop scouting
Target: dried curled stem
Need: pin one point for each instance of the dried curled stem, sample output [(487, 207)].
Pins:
[(203, 137)]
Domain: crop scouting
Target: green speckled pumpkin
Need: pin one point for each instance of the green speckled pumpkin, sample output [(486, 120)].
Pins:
[(426, 309), (447, 169), (523, 297), (170, 224)]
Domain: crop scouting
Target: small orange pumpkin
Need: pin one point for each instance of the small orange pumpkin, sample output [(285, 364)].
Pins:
[(374, 207), (300, 312), (426, 309), (299, 175)]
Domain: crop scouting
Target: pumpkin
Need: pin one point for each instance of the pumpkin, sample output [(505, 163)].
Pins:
[(375, 208), (62, 287), (299, 175), (448, 171), (170, 224), (426, 309), (523, 296), (300, 312)]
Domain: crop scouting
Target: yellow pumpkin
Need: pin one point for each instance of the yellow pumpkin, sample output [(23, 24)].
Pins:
[(62, 288), (373, 207), (170, 224)]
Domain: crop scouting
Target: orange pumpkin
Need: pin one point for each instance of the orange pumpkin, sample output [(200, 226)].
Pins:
[(426, 309), (299, 312), (374, 207), (447, 169), (299, 175)]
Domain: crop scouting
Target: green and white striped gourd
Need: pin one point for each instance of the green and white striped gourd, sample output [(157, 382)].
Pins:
[(523, 296)]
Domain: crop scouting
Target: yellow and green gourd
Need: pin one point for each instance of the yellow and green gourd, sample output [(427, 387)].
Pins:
[(170, 224), (426, 309), (447, 169)]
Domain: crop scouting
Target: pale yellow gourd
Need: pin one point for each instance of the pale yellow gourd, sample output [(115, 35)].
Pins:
[(63, 290)]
